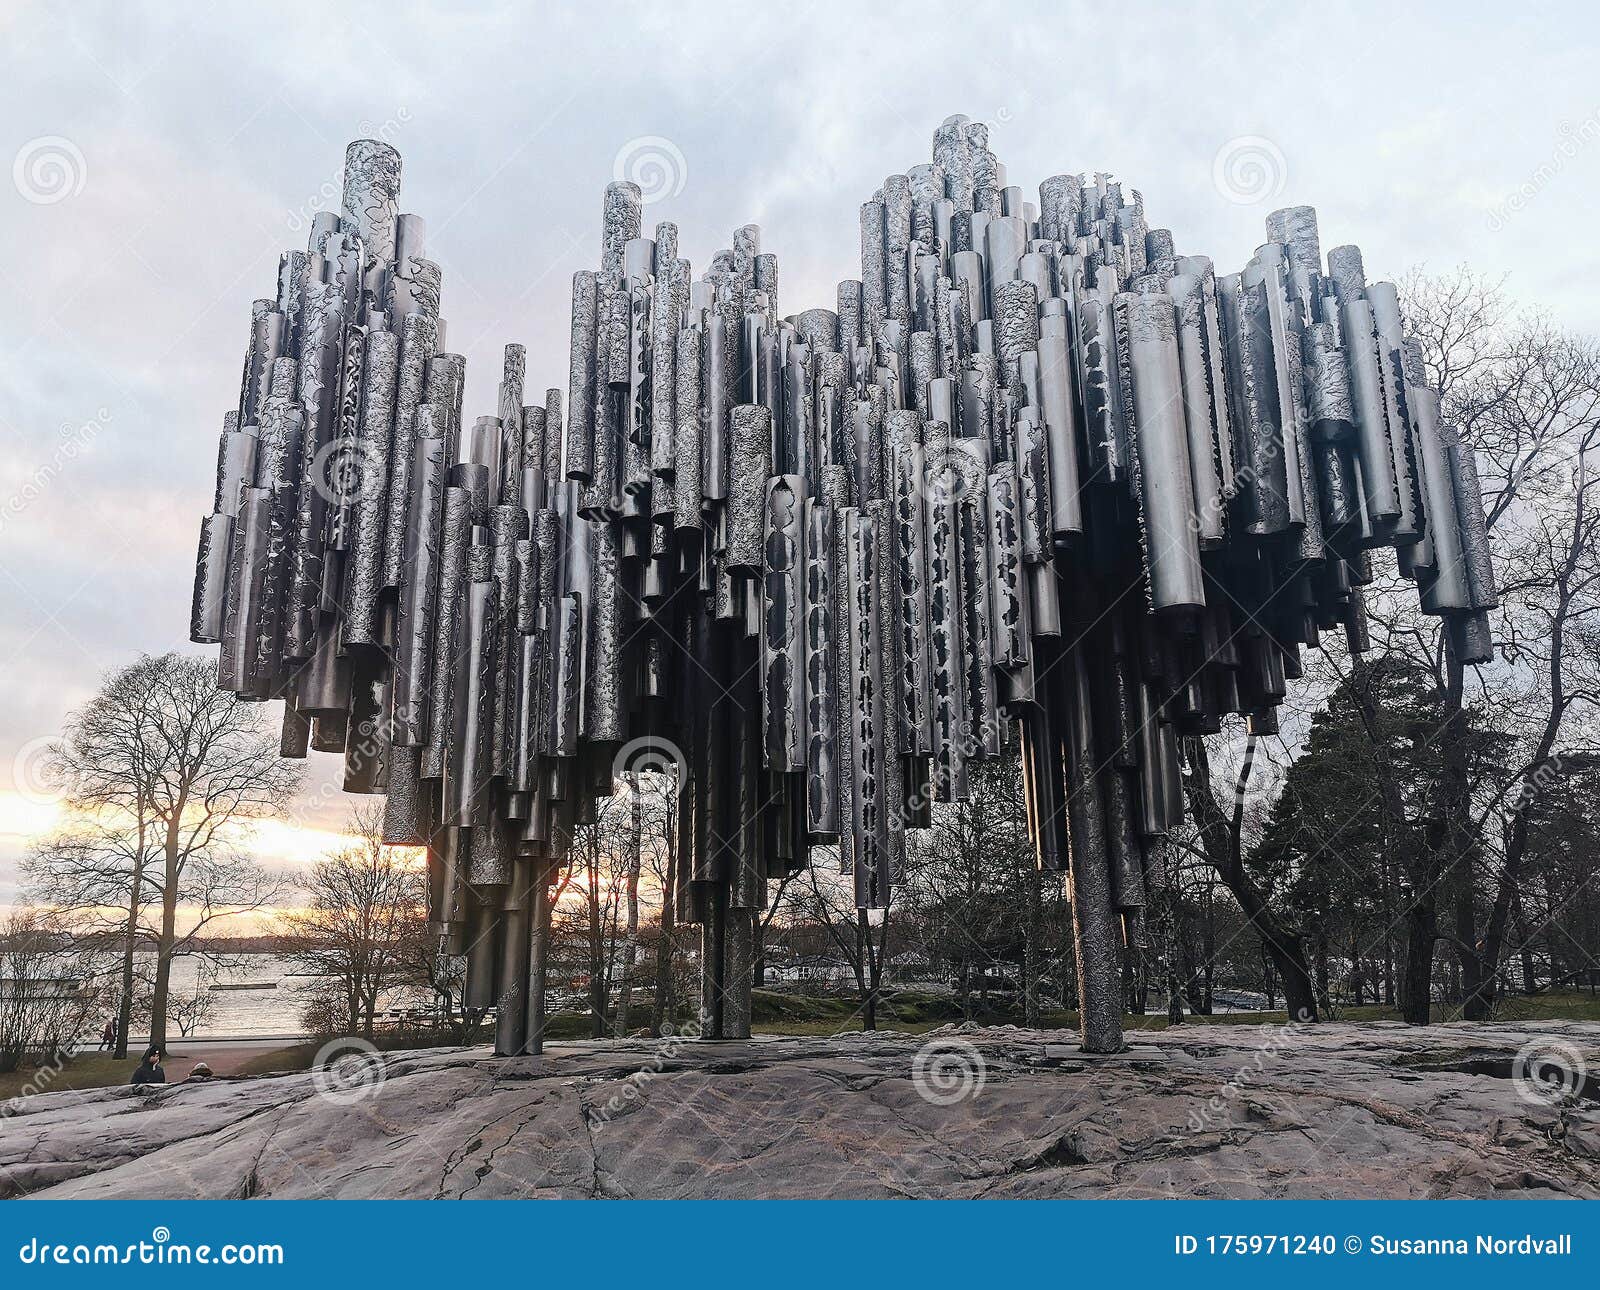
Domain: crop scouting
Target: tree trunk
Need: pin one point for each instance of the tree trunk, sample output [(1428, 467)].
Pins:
[(158, 998), (169, 936), (597, 950), (1420, 915), (1451, 844), (866, 972), (1322, 971), (1388, 929), (1524, 946), (1030, 949), (1481, 992), (1477, 975), (630, 950), (597, 1004), (1416, 986), (125, 1004), (1221, 840), (1130, 981), (663, 1011)]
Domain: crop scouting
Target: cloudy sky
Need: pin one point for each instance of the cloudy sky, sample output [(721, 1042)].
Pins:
[(162, 157)]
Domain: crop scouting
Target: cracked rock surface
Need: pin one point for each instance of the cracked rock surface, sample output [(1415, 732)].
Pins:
[(1376, 1110)]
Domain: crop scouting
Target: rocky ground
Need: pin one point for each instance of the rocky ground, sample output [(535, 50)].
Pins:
[(1212, 1111)]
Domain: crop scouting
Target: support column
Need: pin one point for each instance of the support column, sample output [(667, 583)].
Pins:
[(1096, 934), (712, 939), (727, 965), (511, 1012), (482, 958)]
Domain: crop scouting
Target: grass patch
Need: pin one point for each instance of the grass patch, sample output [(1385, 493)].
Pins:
[(281, 1061), (797, 1015), (916, 1014), (912, 1012), (301, 1056), (569, 1025), (773, 1007), (1555, 1006), (97, 1070)]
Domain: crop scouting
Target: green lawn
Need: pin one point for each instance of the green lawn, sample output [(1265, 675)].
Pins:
[(917, 1014), (94, 1071), (1567, 1006)]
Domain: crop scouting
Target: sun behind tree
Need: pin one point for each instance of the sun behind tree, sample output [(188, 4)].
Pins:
[(161, 774)]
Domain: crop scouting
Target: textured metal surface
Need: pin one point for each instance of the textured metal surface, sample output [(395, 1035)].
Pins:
[(371, 187), (1034, 481)]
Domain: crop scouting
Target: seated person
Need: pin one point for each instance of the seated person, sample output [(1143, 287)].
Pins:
[(150, 1071)]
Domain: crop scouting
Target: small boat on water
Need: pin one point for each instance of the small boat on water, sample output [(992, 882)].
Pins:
[(245, 985)]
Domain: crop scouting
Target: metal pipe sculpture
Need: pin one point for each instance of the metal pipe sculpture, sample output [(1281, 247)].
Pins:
[(1037, 484)]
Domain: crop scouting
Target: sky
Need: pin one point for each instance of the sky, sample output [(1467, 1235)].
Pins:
[(163, 156)]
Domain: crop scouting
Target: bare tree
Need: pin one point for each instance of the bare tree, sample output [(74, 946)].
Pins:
[(664, 863), (365, 906), (1550, 549), (597, 875), (827, 901), (1221, 834), (630, 945), (776, 903), (48, 991), (674, 975), (973, 887), (1524, 397), (160, 773), (192, 1009)]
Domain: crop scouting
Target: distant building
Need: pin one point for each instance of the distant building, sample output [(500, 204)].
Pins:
[(820, 968)]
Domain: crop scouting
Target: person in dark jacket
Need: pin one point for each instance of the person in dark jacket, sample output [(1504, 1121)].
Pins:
[(150, 1071)]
